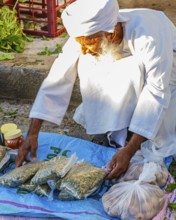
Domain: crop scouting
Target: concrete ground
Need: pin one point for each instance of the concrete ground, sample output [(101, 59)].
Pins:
[(20, 78)]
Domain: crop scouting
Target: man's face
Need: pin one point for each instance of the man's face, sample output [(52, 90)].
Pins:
[(102, 44), (91, 44)]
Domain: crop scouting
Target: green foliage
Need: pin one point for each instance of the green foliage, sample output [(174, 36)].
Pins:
[(170, 187), (172, 206), (22, 1), (12, 38), (11, 113), (172, 169), (6, 57), (47, 52)]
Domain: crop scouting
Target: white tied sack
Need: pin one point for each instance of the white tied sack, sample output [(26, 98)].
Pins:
[(135, 168), (135, 200)]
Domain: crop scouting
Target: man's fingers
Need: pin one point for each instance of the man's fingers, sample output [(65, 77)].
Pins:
[(112, 164), (33, 153), (18, 162), (115, 172), (20, 159)]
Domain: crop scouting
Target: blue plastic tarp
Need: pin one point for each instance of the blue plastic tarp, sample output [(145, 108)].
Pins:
[(14, 202)]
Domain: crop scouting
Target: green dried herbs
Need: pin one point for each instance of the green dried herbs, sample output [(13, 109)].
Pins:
[(4, 157), (82, 180), (21, 174), (3, 151), (27, 186), (65, 196), (12, 38), (42, 190), (74, 180), (47, 171)]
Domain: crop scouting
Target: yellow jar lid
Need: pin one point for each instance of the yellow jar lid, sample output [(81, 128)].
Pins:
[(12, 134), (8, 127)]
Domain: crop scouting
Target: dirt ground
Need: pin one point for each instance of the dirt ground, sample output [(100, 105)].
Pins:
[(18, 113)]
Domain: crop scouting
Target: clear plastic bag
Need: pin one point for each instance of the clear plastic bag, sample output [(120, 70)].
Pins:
[(4, 157), (82, 180), (43, 190), (135, 169), (61, 169), (65, 196), (3, 151), (21, 174), (135, 200), (52, 169), (4, 162), (27, 186)]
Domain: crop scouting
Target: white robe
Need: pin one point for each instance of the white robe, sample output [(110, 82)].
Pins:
[(147, 85)]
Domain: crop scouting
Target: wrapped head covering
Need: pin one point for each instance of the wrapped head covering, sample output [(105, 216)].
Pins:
[(87, 17)]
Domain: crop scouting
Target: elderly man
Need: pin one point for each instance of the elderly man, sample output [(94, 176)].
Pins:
[(125, 62)]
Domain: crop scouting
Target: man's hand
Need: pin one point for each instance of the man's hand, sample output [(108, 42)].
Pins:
[(119, 163), (30, 145)]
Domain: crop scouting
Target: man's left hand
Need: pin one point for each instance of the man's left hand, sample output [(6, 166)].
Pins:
[(119, 163)]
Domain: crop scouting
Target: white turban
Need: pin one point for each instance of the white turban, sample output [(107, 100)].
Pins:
[(87, 17)]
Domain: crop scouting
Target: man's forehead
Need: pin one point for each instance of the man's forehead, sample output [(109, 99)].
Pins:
[(91, 38)]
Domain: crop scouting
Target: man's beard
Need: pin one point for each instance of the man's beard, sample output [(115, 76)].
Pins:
[(110, 51)]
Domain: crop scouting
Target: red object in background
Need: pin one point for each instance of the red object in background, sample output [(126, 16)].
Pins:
[(41, 17), (9, 3)]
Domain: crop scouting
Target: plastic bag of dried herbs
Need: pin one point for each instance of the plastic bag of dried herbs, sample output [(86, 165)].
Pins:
[(21, 174), (27, 186), (3, 151), (4, 162), (40, 190), (82, 180), (43, 190), (136, 199), (65, 196), (4, 157), (61, 169), (55, 168)]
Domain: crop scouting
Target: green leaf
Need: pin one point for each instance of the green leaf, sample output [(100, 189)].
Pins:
[(48, 52), (6, 57), (11, 113), (170, 187), (172, 206), (11, 34)]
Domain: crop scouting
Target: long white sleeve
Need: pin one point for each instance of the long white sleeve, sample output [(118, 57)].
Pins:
[(55, 92), (153, 44)]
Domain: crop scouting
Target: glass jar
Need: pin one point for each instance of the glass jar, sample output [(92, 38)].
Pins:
[(5, 128), (13, 138)]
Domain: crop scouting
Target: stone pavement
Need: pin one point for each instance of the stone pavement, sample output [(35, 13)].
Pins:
[(20, 78)]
